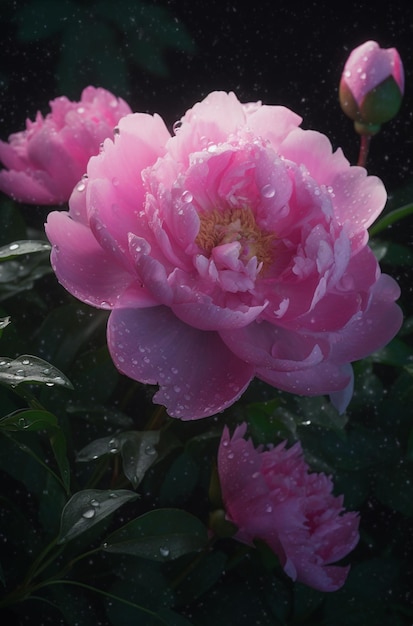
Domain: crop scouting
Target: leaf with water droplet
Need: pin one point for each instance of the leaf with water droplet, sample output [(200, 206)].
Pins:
[(137, 449), (18, 248), (87, 508), (4, 321), (161, 535), (31, 369)]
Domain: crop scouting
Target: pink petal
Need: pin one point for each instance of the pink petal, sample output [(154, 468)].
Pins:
[(81, 265), (24, 187), (198, 376), (373, 329)]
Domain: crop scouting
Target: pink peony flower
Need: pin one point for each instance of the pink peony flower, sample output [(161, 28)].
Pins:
[(372, 86), (270, 495), (45, 161), (236, 248)]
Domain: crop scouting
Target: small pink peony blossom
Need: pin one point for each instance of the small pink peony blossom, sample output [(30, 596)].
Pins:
[(270, 495), (371, 86), (236, 248), (45, 161)]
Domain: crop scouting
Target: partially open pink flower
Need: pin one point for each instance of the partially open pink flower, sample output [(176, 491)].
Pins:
[(236, 248), (271, 495), (45, 161), (372, 86)]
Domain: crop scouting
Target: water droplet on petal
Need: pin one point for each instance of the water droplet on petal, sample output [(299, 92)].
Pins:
[(176, 126), (268, 508), (81, 186), (268, 191), (187, 196)]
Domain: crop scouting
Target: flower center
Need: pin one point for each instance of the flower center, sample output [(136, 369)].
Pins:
[(218, 228)]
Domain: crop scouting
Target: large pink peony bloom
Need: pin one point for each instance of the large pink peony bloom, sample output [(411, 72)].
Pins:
[(270, 495), (236, 248), (45, 161)]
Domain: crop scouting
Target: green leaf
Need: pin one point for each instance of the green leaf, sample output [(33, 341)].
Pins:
[(394, 488), (136, 448), (396, 353), (391, 218), (39, 420), (31, 369), (161, 535), (87, 508), (18, 248), (4, 321), (29, 420), (180, 480)]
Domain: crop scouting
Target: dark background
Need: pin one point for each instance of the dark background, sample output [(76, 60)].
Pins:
[(289, 53)]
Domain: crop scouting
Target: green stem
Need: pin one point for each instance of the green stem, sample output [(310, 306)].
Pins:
[(36, 567), (391, 218), (111, 596), (364, 150)]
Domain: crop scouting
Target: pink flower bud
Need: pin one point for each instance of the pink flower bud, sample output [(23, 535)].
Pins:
[(371, 86)]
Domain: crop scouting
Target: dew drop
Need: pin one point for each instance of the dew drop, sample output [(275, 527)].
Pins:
[(150, 450), (113, 446), (164, 552), (177, 126), (95, 503), (187, 196), (268, 191), (268, 508), (81, 186), (26, 362), (89, 514)]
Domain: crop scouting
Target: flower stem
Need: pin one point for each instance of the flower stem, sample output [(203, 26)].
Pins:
[(364, 150)]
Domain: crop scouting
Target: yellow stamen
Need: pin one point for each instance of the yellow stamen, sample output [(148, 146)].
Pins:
[(220, 227)]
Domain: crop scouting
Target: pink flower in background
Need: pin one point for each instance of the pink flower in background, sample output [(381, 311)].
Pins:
[(45, 161), (270, 495), (236, 248), (372, 86)]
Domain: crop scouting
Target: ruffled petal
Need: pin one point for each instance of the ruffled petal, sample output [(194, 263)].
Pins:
[(82, 265), (198, 376)]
